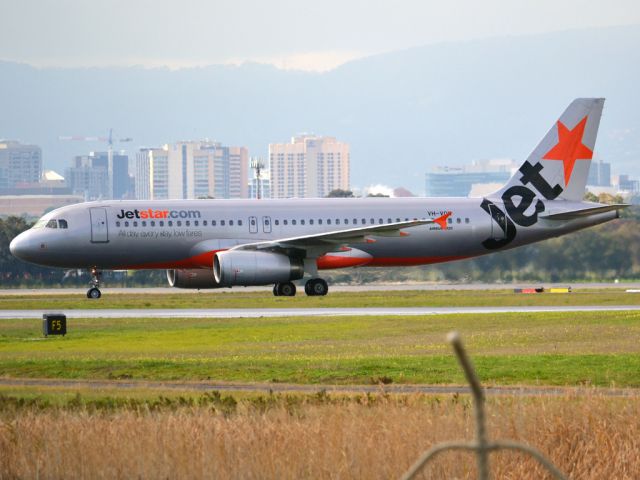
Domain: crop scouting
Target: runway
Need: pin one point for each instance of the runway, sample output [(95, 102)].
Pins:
[(305, 312), (267, 388), (375, 287)]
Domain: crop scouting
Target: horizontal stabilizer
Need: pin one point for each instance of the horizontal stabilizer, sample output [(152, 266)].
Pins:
[(584, 212)]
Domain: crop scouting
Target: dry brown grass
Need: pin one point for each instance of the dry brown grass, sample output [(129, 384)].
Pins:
[(588, 437)]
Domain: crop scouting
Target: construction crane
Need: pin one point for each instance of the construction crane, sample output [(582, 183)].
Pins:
[(109, 141)]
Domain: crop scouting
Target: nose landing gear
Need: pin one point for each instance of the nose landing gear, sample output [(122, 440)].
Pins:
[(94, 291)]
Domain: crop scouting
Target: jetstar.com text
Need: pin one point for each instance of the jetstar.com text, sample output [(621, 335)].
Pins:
[(151, 213)]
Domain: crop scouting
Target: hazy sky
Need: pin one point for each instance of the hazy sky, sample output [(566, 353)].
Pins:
[(312, 35)]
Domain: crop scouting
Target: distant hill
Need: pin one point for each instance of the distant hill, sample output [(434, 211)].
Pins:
[(402, 112)]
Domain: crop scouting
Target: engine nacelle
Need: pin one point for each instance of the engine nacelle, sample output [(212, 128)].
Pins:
[(245, 267), (192, 278)]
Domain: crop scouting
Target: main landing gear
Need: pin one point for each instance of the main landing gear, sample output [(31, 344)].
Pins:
[(94, 291), (314, 287), (285, 289)]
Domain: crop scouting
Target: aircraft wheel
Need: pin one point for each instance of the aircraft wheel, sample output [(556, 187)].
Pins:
[(94, 293), (287, 289), (316, 287)]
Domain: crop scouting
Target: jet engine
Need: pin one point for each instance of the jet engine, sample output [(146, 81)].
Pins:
[(192, 278), (245, 267)]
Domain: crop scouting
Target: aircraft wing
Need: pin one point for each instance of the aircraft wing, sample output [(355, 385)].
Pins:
[(325, 242), (584, 212)]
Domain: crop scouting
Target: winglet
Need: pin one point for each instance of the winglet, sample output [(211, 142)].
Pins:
[(442, 220)]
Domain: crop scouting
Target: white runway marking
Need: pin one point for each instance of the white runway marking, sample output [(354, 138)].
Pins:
[(304, 312)]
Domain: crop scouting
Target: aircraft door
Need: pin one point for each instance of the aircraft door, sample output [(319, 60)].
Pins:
[(266, 224), (498, 223), (253, 225), (99, 227)]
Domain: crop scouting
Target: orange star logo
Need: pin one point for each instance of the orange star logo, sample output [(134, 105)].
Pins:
[(569, 148)]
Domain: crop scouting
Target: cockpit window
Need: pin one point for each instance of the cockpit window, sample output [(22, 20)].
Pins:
[(52, 224), (63, 223)]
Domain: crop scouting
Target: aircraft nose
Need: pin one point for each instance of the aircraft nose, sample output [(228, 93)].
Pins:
[(21, 247)]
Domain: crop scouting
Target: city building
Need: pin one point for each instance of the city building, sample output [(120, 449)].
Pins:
[(265, 186), (309, 166), (481, 177), (599, 174), (628, 185), (20, 165), (89, 176), (194, 169)]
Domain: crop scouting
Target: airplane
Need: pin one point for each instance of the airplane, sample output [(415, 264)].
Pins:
[(226, 243)]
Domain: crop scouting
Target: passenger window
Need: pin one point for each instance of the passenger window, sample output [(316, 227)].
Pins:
[(319, 221), (62, 223), (213, 223), (195, 222), (179, 223), (388, 220), (277, 222), (135, 224), (126, 224), (355, 221), (466, 220), (397, 219), (204, 223), (239, 223), (328, 221), (222, 223), (293, 222), (372, 221), (311, 222), (231, 223), (337, 221), (117, 224), (458, 220), (380, 221), (52, 224), (187, 223), (449, 220), (363, 221), (162, 223), (286, 222), (144, 223), (302, 222), (170, 223), (346, 221)]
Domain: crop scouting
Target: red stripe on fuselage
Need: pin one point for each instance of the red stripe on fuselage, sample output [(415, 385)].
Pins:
[(203, 260), (326, 262)]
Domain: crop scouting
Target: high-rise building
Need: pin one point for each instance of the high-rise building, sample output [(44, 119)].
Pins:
[(89, 176), (200, 169), (20, 165), (309, 166), (264, 186), (152, 173), (599, 174), (459, 181)]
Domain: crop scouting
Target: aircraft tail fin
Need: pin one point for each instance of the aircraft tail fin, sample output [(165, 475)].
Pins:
[(563, 156)]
